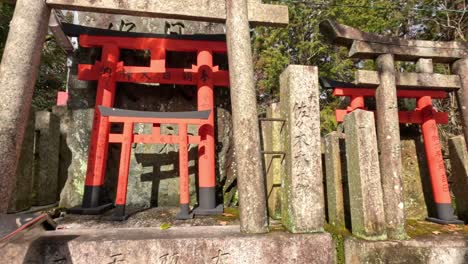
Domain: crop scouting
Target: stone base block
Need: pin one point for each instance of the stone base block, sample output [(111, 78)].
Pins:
[(91, 210), (428, 250), (215, 211), (206, 244)]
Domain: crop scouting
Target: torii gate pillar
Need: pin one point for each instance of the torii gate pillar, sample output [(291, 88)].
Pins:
[(460, 67), (18, 72), (250, 180)]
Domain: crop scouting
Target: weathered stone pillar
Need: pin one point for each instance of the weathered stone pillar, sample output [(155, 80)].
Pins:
[(21, 197), (80, 123), (250, 179), (334, 179), (388, 132), (460, 67), (272, 142), (415, 176), (303, 208), (459, 165), (364, 183), (65, 155), (46, 162), (18, 72)]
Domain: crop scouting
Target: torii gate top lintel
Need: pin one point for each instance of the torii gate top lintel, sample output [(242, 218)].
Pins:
[(198, 10), (364, 45)]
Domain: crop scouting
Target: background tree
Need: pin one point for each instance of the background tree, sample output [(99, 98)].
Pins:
[(301, 42)]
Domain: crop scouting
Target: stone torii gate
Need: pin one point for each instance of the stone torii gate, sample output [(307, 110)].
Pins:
[(385, 50), (21, 60)]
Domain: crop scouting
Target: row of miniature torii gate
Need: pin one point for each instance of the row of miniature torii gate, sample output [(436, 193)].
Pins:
[(424, 115)]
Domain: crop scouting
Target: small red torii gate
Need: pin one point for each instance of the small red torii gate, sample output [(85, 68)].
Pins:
[(109, 70), (127, 138), (428, 118)]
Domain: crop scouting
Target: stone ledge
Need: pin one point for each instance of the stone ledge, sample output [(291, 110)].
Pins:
[(429, 249), (175, 245)]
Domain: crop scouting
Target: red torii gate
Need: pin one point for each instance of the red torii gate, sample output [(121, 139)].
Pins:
[(428, 118), (129, 119), (110, 70)]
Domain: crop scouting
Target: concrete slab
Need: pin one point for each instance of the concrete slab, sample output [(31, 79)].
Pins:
[(175, 245), (429, 249), (139, 218)]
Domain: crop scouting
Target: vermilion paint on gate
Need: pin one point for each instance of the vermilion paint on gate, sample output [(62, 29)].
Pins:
[(109, 70), (428, 118)]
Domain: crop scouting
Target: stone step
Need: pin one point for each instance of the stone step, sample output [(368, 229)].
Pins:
[(203, 244), (429, 249)]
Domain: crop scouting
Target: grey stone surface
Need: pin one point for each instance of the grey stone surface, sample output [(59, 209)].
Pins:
[(65, 155), (18, 72), (459, 179), (271, 131), (21, 196), (46, 163), (369, 45), (416, 179), (152, 217), (460, 67), (175, 245), (250, 180), (199, 10), (77, 141), (364, 183), (370, 50), (388, 133), (303, 208), (410, 80), (345, 35), (335, 167), (149, 25), (433, 249)]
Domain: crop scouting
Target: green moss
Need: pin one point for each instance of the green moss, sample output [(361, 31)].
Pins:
[(277, 228), (338, 235), (415, 228), (230, 214)]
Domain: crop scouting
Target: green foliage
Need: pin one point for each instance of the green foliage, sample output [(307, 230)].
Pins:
[(6, 13), (52, 72), (52, 75), (301, 42), (327, 118)]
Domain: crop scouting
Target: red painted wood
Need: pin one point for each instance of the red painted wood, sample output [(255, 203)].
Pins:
[(152, 44), (356, 102), (105, 96), (400, 93), (109, 70), (124, 166), (206, 149), (89, 72), (153, 139), (183, 165), (434, 156), (62, 98), (405, 117)]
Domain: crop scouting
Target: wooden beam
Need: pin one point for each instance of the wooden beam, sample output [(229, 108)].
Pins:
[(410, 80), (198, 10), (438, 53)]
